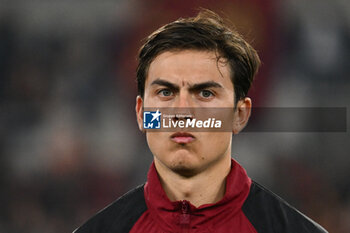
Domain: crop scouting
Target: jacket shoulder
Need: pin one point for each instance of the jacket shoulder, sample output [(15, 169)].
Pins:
[(120, 216), (269, 213)]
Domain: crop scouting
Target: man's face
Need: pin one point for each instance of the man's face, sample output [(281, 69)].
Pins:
[(188, 79)]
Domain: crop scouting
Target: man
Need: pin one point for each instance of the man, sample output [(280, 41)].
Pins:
[(193, 184)]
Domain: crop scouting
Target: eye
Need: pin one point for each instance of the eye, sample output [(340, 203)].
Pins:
[(206, 94), (165, 92)]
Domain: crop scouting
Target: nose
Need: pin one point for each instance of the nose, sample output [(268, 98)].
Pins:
[(184, 100), (184, 106)]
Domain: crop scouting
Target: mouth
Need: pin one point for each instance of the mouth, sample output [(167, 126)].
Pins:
[(182, 137)]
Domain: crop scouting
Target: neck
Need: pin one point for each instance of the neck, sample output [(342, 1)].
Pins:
[(206, 187)]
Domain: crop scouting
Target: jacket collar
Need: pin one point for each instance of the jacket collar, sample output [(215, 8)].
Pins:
[(166, 213)]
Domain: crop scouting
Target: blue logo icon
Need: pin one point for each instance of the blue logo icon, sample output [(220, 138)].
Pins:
[(151, 120)]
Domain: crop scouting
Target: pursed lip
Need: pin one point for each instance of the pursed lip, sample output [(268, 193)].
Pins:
[(182, 137)]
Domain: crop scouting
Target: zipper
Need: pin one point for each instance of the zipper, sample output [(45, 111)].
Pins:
[(185, 216)]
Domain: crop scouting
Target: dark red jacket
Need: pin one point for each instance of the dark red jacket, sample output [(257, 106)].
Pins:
[(245, 208)]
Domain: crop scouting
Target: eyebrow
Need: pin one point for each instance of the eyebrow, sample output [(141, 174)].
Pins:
[(204, 85), (163, 82), (192, 88)]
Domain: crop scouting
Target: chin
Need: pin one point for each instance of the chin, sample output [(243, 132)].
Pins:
[(185, 171), (184, 166), (181, 161)]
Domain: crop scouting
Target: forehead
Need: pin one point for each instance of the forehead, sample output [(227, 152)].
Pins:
[(191, 66)]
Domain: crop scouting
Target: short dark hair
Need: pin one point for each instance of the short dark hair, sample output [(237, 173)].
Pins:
[(205, 32)]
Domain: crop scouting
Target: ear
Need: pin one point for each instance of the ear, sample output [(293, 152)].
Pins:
[(139, 112), (241, 114)]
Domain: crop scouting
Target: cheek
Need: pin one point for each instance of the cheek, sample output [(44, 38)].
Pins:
[(215, 143), (155, 141), (151, 140)]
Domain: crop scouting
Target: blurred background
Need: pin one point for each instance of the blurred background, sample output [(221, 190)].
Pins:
[(69, 143)]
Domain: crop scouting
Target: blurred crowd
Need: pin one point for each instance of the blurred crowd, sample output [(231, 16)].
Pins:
[(69, 143)]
